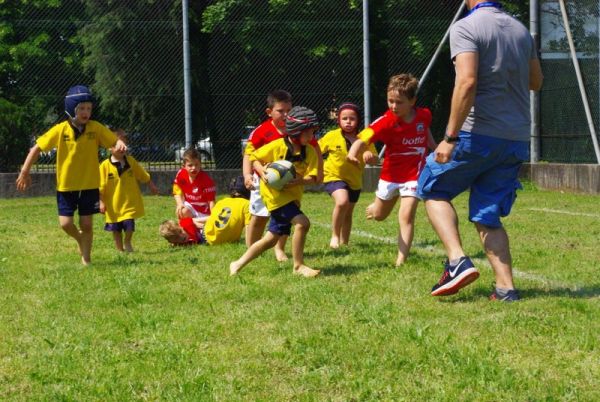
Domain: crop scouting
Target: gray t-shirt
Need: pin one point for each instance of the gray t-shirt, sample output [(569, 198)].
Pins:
[(505, 47)]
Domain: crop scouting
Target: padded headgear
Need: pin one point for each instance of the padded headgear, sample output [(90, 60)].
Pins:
[(298, 119), (236, 185), (75, 96)]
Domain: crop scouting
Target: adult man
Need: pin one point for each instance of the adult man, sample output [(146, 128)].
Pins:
[(486, 141)]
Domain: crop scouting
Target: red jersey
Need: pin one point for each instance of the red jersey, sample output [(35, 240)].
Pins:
[(266, 133), (405, 144), (198, 193)]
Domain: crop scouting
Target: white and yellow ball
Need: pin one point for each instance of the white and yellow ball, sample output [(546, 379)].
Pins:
[(279, 173)]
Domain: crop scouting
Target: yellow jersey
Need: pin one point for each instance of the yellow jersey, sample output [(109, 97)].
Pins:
[(276, 150), (227, 220), (121, 193), (336, 166), (77, 158)]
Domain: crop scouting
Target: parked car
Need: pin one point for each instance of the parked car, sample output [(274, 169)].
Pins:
[(204, 146)]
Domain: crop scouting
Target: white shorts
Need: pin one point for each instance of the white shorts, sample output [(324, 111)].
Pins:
[(387, 190), (257, 206), (195, 214)]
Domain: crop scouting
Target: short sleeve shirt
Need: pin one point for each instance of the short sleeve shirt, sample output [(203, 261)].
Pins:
[(405, 144), (277, 150), (227, 220), (77, 164), (505, 48), (199, 192), (336, 166), (121, 191)]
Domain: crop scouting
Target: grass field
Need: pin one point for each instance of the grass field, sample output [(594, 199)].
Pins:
[(170, 324)]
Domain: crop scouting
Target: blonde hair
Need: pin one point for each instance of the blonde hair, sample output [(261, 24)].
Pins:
[(404, 84), (170, 231)]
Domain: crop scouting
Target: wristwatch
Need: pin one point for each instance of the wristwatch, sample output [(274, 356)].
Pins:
[(450, 140)]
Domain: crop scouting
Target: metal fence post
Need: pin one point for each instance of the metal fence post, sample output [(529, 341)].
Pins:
[(187, 85), (366, 64), (534, 96)]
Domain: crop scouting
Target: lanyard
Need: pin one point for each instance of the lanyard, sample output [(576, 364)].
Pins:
[(485, 4)]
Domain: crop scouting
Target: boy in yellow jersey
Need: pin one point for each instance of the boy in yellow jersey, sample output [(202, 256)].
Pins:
[(225, 224), (77, 169), (284, 205), (343, 179), (120, 196)]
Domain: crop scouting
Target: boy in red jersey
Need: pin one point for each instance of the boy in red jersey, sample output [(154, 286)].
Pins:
[(193, 189), (404, 129)]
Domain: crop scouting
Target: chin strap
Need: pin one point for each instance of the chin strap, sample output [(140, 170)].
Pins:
[(289, 155)]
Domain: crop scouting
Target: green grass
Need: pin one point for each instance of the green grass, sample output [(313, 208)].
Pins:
[(170, 324)]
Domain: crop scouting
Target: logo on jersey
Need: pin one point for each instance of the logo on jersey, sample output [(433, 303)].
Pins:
[(413, 141), (420, 127)]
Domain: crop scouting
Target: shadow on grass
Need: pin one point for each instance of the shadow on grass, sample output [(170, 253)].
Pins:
[(346, 269), (586, 292)]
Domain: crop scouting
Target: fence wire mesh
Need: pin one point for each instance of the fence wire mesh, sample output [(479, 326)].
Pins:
[(565, 135), (130, 53)]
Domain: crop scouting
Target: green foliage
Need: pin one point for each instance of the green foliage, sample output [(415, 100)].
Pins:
[(14, 135)]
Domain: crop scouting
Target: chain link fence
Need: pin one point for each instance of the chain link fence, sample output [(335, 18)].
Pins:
[(130, 54), (564, 132)]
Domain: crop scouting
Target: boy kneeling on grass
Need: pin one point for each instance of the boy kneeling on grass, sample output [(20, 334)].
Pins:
[(284, 204), (225, 223)]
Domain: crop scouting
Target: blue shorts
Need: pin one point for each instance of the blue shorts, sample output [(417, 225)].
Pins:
[(281, 219), (86, 201), (128, 225), (488, 166), (332, 186)]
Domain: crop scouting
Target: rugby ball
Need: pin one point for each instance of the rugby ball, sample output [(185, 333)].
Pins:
[(279, 173)]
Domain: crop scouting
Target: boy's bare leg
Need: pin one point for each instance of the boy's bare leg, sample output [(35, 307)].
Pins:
[(118, 237), (68, 226), (347, 225), (253, 251), (301, 227), (406, 220), (279, 249), (86, 227), (255, 229), (128, 236), (338, 216), (444, 220), (497, 248), (381, 209)]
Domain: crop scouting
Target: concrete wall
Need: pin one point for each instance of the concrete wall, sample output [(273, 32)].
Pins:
[(575, 178)]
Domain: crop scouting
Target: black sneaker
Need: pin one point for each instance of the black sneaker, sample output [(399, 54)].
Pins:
[(510, 296), (455, 277)]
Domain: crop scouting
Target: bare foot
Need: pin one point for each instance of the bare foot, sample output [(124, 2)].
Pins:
[(234, 268), (400, 260), (369, 212), (128, 249), (334, 243), (85, 262), (280, 255), (306, 271)]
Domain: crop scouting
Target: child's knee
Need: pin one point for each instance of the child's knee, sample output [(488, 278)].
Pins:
[(301, 222)]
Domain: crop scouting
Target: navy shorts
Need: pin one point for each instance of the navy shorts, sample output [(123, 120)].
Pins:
[(86, 201), (332, 186), (281, 219), (128, 225), (488, 166)]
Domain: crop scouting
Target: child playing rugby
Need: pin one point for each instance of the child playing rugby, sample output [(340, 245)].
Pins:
[(343, 179), (77, 169), (194, 191), (404, 129), (120, 196), (224, 225), (284, 205)]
